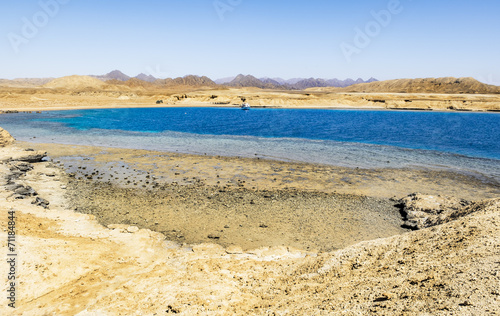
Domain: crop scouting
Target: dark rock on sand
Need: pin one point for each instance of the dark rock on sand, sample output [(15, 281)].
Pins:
[(213, 236), (41, 202), (25, 191), (13, 186), (21, 166)]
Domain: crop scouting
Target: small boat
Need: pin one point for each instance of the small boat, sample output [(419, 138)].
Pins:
[(245, 106)]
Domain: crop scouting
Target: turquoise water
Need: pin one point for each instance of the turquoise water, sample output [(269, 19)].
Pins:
[(467, 142)]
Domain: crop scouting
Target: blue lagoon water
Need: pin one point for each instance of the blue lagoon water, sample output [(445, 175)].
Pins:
[(466, 142)]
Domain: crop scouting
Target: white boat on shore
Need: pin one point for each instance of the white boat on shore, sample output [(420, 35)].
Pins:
[(245, 106)]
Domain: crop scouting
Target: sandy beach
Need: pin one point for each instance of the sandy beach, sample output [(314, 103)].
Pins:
[(120, 231)]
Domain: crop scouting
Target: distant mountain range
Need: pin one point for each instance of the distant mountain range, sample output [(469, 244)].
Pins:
[(116, 78), (238, 81), (294, 83)]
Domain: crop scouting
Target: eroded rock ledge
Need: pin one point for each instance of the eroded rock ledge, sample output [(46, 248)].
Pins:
[(422, 211)]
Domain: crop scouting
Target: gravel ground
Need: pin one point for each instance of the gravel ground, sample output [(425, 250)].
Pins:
[(237, 216)]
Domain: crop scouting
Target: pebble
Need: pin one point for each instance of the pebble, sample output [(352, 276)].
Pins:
[(132, 229)]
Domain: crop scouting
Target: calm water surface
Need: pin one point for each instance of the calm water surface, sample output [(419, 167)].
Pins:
[(467, 142)]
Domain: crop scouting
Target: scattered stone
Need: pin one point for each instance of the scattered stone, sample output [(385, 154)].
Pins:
[(382, 298), (13, 186), (41, 202), (213, 236), (21, 166), (170, 309), (25, 191), (132, 229)]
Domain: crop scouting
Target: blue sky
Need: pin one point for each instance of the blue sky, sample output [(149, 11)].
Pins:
[(221, 38)]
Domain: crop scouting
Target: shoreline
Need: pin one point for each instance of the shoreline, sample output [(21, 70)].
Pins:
[(375, 182), (6, 110)]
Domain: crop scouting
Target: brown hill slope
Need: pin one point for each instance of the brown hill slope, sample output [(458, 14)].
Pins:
[(448, 85), (75, 83), (190, 80), (113, 75)]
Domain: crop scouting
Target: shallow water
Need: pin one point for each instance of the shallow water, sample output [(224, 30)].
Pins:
[(465, 142)]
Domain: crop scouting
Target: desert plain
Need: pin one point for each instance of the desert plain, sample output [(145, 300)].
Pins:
[(80, 92)]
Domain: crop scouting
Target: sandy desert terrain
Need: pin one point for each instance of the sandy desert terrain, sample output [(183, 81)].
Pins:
[(86, 92)]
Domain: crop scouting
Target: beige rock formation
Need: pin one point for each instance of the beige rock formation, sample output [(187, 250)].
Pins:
[(5, 138), (424, 211)]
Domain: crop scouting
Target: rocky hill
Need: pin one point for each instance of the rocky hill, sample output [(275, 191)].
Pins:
[(251, 81), (316, 82), (131, 83), (447, 85), (144, 77), (295, 83), (115, 74), (190, 80)]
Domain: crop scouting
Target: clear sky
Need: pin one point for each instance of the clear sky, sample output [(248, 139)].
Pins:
[(222, 38)]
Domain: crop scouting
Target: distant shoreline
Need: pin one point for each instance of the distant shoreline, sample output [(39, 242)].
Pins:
[(9, 110)]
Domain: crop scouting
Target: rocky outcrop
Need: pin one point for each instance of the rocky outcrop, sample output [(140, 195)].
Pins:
[(18, 165), (422, 211), (30, 156), (5, 138)]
